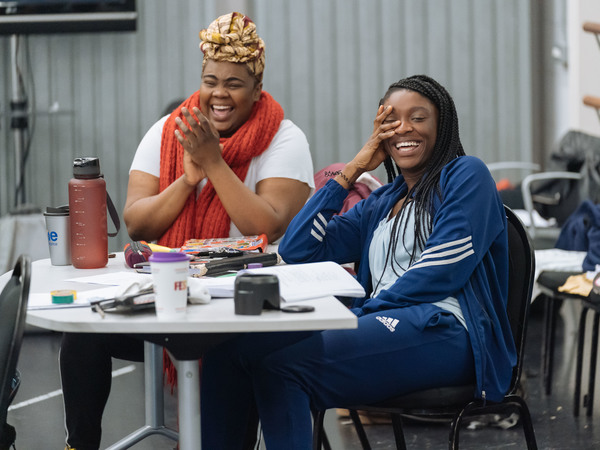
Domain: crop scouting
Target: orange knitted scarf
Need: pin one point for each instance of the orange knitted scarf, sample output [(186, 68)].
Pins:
[(204, 216)]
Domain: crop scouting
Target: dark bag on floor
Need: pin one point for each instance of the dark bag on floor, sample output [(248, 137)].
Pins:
[(7, 437), (8, 434)]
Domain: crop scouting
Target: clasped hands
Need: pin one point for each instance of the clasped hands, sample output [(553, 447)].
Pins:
[(200, 140)]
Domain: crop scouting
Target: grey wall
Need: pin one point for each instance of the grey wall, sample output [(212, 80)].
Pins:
[(334, 60), (328, 63)]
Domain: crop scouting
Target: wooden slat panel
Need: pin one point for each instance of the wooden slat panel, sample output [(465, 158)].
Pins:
[(322, 94), (485, 76), (522, 88), (368, 46), (299, 73), (506, 49), (461, 70), (391, 50), (346, 88), (328, 63)]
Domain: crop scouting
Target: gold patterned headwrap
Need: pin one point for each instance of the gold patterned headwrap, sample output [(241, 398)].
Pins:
[(233, 38)]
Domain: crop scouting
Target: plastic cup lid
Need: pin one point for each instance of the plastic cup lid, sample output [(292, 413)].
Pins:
[(57, 210), (167, 257)]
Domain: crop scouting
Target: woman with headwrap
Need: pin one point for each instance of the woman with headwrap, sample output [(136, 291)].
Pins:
[(433, 254), (223, 163)]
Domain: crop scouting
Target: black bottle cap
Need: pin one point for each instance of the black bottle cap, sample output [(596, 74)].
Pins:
[(86, 168)]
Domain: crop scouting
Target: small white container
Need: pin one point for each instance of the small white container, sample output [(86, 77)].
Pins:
[(170, 272)]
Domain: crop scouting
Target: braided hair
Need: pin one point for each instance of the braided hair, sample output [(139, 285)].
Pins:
[(447, 147)]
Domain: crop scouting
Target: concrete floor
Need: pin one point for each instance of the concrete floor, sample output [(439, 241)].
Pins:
[(37, 412)]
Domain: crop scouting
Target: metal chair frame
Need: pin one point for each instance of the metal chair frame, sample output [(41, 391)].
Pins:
[(13, 309)]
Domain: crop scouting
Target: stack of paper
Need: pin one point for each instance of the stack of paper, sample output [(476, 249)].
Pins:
[(298, 281), (108, 285)]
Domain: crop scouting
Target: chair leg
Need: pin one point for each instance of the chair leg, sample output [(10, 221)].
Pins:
[(455, 430), (320, 439), (550, 313), (318, 430), (360, 430), (398, 432), (525, 416), (526, 422)]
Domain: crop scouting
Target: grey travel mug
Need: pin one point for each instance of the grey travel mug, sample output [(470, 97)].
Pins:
[(59, 235)]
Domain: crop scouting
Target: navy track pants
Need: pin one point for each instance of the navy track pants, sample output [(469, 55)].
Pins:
[(283, 375)]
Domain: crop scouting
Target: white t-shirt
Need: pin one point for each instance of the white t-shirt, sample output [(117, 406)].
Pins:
[(288, 156)]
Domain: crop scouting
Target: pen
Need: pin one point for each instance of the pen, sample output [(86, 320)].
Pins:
[(99, 310), (196, 270), (223, 252)]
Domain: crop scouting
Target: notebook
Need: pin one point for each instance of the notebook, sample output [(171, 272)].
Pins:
[(256, 243)]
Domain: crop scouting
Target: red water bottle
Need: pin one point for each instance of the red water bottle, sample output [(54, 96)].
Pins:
[(87, 206)]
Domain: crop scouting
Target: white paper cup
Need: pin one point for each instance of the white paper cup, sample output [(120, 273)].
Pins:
[(170, 273), (59, 235)]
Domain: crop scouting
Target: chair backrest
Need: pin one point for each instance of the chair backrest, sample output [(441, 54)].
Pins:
[(520, 285), (360, 190), (580, 152), (172, 106), (13, 308)]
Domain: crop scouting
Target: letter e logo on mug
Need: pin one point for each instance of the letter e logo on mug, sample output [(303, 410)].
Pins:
[(52, 237)]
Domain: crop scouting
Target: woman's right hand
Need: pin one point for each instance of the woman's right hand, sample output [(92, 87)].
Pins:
[(372, 154)]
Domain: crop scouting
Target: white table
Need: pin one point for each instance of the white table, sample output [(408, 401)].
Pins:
[(216, 317)]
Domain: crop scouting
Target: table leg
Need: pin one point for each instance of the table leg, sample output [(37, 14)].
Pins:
[(579, 364), (589, 398), (188, 391), (154, 401), (550, 310)]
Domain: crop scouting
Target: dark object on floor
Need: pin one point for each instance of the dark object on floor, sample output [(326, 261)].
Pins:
[(13, 308), (9, 435), (549, 282)]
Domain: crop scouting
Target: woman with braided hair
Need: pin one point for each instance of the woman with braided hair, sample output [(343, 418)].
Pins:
[(433, 253), (224, 163)]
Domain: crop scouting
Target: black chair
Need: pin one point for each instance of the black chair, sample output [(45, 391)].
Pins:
[(454, 403), (549, 282), (13, 309)]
